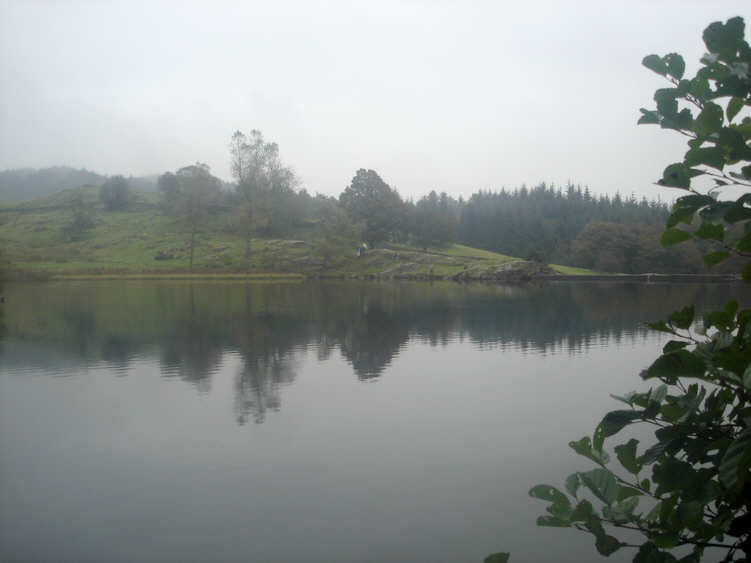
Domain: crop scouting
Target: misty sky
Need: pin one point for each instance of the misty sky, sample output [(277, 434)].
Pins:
[(453, 96)]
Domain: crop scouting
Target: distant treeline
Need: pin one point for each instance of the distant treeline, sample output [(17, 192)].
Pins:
[(565, 225), (571, 226)]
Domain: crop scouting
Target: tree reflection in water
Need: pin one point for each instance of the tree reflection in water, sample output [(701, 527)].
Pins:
[(191, 327), (192, 350)]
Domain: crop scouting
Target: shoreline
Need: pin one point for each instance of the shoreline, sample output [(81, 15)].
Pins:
[(463, 277)]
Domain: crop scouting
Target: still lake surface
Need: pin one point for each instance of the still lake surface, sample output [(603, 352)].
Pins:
[(318, 422)]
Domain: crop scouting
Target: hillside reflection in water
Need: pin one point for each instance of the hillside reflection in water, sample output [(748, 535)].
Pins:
[(192, 329)]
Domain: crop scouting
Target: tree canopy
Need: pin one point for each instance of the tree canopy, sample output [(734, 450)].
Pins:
[(198, 195), (265, 186), (371, 200), (115, 193)]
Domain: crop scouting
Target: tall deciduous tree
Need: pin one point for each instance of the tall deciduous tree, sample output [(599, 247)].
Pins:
[(199, 193), (371, 200), (264, 183), (337, 236)]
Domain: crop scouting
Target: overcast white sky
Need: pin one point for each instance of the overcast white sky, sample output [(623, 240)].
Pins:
[(451, 96)]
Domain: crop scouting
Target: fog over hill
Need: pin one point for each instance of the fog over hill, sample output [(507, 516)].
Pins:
[(28, 183)]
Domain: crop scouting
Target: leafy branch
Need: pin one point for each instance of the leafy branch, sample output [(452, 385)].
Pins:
[(699, 491)]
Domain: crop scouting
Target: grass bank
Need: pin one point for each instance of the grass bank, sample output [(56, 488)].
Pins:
[(146, 242)]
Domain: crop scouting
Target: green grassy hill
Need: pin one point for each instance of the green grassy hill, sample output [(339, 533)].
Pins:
[(145, 240)]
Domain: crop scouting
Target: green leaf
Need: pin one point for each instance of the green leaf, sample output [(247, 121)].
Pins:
[(683, 318), (691, 401), (690, 514), (715, 258), (685, 207), (676, 176), (572, 484), (648, 117), (711, 156), (654, 514), (582, 512), (612, 423), (667, 106), (731, 140), (723, 39), (675, 65), (604, 543), (673, 345), (584, 447), (546, 492), (700, 88), (747, 377), (628, 398), (653, 408), (716, 211), (710, 231), (733, 470), (671, 413), (649, 553), (497, 558), (602, 483), (667, 507), (658, 394), (684, 87), (653, 452), (709, 120), (737, 212), (744, 129), (656, 64), (676, 364), (552, 521), (684, 120), (734, 106), (626, 454), (672, 474), (628, 492), (667, 541), (607, 545), (723, 320)]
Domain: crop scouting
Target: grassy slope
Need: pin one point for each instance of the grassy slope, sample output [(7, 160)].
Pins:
[(127, 243), (572, 270)]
